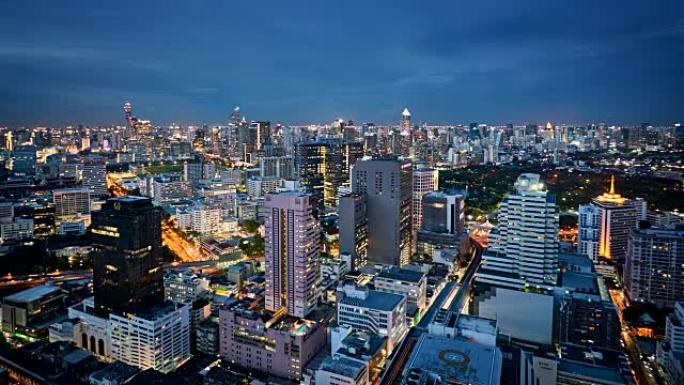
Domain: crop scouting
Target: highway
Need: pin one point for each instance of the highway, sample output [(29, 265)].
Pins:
[(452, 296)]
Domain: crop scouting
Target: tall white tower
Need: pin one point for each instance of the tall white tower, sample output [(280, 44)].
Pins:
[(523, 249)]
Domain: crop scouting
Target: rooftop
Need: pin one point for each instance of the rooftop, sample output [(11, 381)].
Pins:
[(373, 299), (343, 366), (456, 360), (32, 294), (401, 274)]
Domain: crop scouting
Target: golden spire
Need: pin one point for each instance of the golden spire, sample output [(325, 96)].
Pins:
[(612, 184)]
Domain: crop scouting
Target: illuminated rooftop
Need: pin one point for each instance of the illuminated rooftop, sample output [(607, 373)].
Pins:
[(611, 196)]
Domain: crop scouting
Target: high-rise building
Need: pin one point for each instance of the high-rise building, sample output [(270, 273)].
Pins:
[(24, 160), (443, 223), (588, 228), (617, 217), (387, 184), (127, 260), (405, 120), (324, 165), (71, 201), (670, 351), (94, 175), (291, 251), (353, 226), (425, 180), (443, 213), (654, 268), (523, 248)]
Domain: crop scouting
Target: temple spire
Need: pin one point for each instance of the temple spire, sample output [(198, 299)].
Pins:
[(612, 184)]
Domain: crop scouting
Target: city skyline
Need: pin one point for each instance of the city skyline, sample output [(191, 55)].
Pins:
[(298, 64)]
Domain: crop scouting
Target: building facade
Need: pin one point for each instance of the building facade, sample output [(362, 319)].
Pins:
[(387, 184), (291, 253)]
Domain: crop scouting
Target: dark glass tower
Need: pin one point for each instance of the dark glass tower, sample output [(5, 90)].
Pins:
[(127, 259)]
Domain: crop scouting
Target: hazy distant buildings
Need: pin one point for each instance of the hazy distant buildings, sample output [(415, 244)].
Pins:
[(291, 249), (386, 182)]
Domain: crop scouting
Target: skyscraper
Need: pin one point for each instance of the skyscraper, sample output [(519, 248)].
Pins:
[(127, 261), (291, 251), (654, 268), (443, 222), (617, 217), (387, 185), (425, 180), (353, 211), (523, 249), (405, 120)]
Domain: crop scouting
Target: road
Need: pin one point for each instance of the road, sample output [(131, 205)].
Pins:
[(185, 249), (451, 296), (643, 374)]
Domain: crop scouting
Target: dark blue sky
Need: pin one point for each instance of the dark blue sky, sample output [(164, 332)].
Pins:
[(313, 61)]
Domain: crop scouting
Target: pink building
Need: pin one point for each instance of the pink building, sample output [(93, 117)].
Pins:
[(292, 244), (259, 340)]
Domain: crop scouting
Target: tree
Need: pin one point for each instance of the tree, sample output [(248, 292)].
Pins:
[(250, 225)]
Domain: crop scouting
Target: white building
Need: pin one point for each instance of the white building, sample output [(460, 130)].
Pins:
[(425, 180), (410, 283), (94, 176), (523, 249), (670, 352), (184, 286), (159, 339), (258, 187), (372, 311), (70, 202), (340, 370), (167, 189), (588, 231), (16, 229), (200, 218)]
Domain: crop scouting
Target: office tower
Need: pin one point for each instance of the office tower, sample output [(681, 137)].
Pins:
[(282, 346), (387, 184), (128, 116), (291, 250), (127, 260), (353, 227), (654, 268), (617, 217), (94, 177), (405, 120), (154, 338), (281, 167), (523, 248), (425, 180), (443, 213), (443, 223), (670, 350), (323, 167), (372, 311), (24, 160), (259, 134), (70, 202), (588, 228)]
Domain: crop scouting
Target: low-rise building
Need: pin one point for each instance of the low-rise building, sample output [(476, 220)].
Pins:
[(29, 313), (412, 284), (373, 311), (268, 342)]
